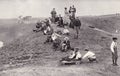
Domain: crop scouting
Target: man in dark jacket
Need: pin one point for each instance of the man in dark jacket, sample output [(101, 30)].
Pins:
[(77, 25)]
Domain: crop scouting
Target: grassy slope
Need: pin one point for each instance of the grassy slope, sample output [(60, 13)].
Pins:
[(32, 43), (108, 22)]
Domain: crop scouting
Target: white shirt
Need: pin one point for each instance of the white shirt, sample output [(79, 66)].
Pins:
[(48, 29), (113, 45), (55, 36), (78, 55), (89, 54), (65, 31), (1, 44), (72, 55)]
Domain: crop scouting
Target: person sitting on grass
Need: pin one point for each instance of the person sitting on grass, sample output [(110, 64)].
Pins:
[(66, 31), (38, 26), (90, 55), (56, 44), (70, 56), (66, 44), (47, 22), (48, 40), (48, 30), (78, 54), (73, 56), (54, 36), (60, 21)]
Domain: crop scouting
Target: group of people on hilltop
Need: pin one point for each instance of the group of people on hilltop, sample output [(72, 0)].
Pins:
[(68, 14), (54, 36), (69, 19), (65, 44), (73, 22)]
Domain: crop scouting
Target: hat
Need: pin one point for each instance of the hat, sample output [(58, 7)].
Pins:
[(86, 49), (114, 38), (66, 38)]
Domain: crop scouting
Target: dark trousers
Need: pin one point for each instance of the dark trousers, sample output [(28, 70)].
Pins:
[(76, 31), (114, 56)]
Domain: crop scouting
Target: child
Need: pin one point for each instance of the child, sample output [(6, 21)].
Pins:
[(90, 55), (56, 44), (113, 48), (66, 31), (66, 44), (48, 30), (48, 40), (78, 54), (38, 26), (75, 55), (54, 36)]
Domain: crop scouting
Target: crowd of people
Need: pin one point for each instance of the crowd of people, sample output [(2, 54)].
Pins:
[(69, 20)]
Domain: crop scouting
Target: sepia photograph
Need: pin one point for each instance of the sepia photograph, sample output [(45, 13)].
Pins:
[(59, 37)]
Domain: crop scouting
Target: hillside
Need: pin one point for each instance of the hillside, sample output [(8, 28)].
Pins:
[(109, 23), (30, 44)]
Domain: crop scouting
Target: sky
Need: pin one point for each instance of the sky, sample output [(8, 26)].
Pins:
[(42, 8)]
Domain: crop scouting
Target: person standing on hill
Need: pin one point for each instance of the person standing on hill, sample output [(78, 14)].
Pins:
[(70, 14), (53, 14), (77, 25), (113, 48), (73, 11), (66, 17), (66, 12)]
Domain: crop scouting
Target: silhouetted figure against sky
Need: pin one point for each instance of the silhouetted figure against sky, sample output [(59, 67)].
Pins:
[(53, 15), (66, 17), (73, 11)]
